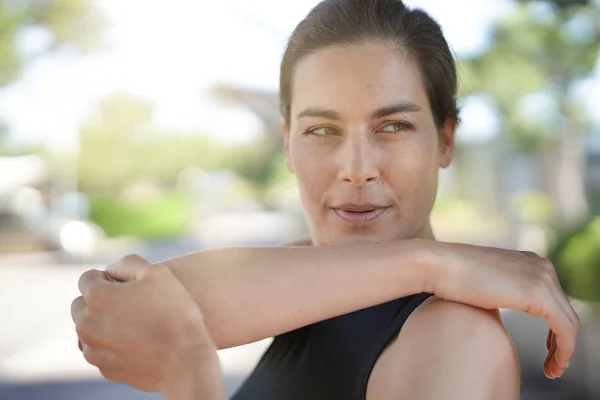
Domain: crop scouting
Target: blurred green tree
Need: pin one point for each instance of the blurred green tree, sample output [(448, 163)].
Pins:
[(576, 256), (121, 149), (257, 162), (3, 134), (538, 56), (74, 23), (121, 146)]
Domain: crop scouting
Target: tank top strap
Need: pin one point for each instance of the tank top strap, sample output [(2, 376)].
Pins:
[(388, 332)]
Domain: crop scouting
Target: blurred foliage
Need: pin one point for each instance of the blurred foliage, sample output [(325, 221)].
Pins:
[(538, 48), (74, 23), (3, 135), (121, 146), (533, 208), (152, 217), (576, 257), (259, 163), (538, 55)]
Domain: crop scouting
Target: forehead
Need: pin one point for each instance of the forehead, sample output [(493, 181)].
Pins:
[(357, 78)]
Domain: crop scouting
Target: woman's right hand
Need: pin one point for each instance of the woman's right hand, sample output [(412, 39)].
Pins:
[(497, 278)]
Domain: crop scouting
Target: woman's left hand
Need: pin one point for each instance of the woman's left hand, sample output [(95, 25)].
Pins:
[(140, 327)]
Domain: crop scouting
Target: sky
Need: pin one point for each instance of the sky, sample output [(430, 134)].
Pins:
[(171, 53)]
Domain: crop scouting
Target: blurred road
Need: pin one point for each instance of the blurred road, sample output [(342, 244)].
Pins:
[(39, 358)]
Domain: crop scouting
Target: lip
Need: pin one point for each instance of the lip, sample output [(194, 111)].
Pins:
[(360, 214)]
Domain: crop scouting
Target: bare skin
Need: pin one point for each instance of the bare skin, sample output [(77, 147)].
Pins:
[(378, 143), (168, 348), (361, 133), (465, 350)]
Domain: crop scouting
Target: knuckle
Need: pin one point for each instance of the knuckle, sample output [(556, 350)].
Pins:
[(547, 265), (78, 310), (546, 273), (540, 289), (131, 258), (77, 306), (85, 277)]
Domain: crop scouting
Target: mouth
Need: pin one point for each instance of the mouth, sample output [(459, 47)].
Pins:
[(360, 214)]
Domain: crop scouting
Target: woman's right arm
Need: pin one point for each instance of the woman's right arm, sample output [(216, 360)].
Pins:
[(251, 293)]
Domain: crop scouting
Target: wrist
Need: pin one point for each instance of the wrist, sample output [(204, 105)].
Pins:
[(425, 254), (196, 376)]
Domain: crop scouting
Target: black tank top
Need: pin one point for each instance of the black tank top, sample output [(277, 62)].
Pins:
[(329, 360)]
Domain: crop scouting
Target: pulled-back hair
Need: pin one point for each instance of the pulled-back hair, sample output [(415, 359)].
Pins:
[(347, 22)]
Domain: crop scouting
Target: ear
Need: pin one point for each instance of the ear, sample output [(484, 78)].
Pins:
[(286, 146), (446, 144)]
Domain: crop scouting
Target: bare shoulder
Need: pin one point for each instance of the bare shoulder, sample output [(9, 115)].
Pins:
[(448, 350)]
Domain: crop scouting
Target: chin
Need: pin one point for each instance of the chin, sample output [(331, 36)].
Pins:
[(358, 238)]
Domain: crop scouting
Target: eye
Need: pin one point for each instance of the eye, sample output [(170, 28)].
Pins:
[(323, 131), (396, 127)]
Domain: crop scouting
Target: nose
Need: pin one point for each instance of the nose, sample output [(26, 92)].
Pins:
[(358, 160)]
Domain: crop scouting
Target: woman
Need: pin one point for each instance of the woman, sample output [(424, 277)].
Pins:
[(375, 308)]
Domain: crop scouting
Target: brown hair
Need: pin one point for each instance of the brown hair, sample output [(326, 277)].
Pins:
[(345, 22)]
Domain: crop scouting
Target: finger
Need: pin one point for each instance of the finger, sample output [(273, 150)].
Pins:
[(90, 281), (549, 369), (78, 310), (564, 325), (130, 268), (562, 319), (566, 340), (555, 368), (549, 340), (90, 328)]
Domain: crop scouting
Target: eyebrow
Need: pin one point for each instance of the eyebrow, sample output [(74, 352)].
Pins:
[(394, 109), (379, 113)]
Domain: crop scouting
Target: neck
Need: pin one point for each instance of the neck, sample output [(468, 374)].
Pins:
[(426, 231)]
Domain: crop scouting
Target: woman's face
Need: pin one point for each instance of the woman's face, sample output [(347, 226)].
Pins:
[(363, 145)]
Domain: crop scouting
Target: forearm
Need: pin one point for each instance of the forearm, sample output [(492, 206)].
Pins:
[(251, 293)]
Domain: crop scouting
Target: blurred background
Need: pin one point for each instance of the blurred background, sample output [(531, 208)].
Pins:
[(152, 127)]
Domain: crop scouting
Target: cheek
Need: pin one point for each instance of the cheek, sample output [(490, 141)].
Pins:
[(412, 170), (313, 173), (413, 159)]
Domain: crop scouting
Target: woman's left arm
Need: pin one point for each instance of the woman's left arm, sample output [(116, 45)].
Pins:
[(448, 351)]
